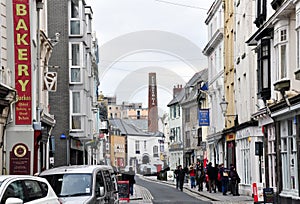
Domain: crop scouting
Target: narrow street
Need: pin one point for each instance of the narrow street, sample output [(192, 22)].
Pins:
[(162, 193)]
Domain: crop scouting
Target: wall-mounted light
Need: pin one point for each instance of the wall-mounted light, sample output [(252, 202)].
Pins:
[(224, 105)]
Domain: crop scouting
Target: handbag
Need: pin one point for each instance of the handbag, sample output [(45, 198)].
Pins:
[(225, 174)]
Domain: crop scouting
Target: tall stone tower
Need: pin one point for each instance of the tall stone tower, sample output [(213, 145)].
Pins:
[(152, 104)]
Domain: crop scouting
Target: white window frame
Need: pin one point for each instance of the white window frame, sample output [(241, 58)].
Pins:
[(77, 114), (289, 153), (79, 18), (246, 161), (272, 156), (281, 61), (79, 66)]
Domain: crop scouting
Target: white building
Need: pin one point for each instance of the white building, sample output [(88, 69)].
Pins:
[(214, 52), (276, 43), (175, 125), (248, 133)]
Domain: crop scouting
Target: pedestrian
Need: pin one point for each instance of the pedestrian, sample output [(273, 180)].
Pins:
[(200, 175), (218, 181), (192, 176), (212, 177), (129, 176), (181, 176), (235, 180), (224, 179), (176, 172)]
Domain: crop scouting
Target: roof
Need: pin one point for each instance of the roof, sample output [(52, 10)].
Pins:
[(130, 128), (177, 98), (201, 76), (75, 169)]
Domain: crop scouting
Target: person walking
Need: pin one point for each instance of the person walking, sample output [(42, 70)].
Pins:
[(176, 173), (200, 175), (181, 176), (212, 177), (129, 176), (235, 180), (224, 179), (192, 176)]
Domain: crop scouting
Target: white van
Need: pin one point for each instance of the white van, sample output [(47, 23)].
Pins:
[(88, 184)]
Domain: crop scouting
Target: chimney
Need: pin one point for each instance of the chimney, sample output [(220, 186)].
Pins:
[(176, 90)]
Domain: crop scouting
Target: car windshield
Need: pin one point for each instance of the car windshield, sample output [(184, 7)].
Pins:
[(67, 185)]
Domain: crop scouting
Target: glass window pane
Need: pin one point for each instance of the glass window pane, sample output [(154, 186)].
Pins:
[(74, 9), (75, 55), (265, 73), (76, 102), (283, 61), (75, 27), (75, 74), (76, 122)]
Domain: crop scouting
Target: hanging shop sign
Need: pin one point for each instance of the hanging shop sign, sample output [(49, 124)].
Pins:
[(22, 62), (203, 117)]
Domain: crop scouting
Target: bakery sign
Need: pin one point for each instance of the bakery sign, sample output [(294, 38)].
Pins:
[(19, 160), (22, 61)]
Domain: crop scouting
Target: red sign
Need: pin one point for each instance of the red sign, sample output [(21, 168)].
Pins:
[(19, 160), (22, 61)]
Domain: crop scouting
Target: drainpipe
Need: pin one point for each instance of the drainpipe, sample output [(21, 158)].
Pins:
[(39, 6)]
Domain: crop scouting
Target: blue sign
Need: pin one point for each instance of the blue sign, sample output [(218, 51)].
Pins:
[(203, 117)]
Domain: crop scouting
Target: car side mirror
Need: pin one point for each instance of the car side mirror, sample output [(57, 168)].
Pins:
[(13, 201)]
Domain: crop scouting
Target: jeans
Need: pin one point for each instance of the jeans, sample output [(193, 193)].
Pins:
[(193, 184)]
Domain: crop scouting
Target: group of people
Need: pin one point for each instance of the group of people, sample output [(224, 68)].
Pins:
[(215, 178)]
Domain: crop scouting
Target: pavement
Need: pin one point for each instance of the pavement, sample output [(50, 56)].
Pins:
[(142, 195)]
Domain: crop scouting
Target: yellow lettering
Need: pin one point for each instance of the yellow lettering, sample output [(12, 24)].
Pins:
[(22, 54), (23, 84), (21, 25), (21, 39), (21, 9), (23, 68)]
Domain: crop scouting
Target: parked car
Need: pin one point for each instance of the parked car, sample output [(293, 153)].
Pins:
[(148, 170), (84, 184), (19, 189)]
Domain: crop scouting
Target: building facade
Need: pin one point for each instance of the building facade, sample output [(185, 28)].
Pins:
[(214, 50), (74, 104), (175, 128)]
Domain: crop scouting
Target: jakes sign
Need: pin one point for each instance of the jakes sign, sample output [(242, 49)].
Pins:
[(22, 61)]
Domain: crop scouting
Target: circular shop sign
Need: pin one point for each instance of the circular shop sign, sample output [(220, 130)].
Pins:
[(20, 150)]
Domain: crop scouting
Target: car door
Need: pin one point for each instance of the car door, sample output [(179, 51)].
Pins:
[(14, 189), (99, 182)]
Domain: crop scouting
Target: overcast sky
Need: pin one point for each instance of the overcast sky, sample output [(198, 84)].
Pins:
[(141, 36)]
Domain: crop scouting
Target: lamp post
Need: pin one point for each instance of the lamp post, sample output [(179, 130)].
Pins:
[(224, 105)]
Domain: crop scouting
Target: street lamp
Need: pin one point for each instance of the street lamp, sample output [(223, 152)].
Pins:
[(224, 105)]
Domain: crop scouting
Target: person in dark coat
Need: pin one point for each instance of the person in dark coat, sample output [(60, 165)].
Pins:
[(181, 176), (200, 176), (235, 180), (177, 177), (129, 176), (224, 179), (212, 177)]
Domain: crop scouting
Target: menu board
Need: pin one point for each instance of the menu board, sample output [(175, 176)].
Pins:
[(123, 187), (268, 195)]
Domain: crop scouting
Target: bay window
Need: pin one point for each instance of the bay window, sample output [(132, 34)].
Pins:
[(263, 69)]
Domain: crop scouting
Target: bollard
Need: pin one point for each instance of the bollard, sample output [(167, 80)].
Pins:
[(255, 196)]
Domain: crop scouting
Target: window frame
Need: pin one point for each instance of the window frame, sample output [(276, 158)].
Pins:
[(78, 19), (76, 114), (76, 66)]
